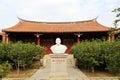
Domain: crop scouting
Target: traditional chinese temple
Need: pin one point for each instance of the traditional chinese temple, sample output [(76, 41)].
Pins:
[(45, 33)]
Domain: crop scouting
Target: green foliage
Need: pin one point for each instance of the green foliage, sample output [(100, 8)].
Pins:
[(5, 51), (5, 68), (88, 53), (118, 38), (19, 54), (113, 63), (22, 54), (98, 53), (117, 12), (113, 58)]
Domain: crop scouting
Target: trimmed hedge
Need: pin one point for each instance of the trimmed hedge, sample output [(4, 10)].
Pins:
[(19, 54), (98, 53), (5, 67)]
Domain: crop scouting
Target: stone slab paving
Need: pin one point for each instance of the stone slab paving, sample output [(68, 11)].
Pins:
[(41, 74), (73, 74)]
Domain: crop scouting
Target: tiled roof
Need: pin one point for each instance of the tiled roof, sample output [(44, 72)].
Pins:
[(56, 27)]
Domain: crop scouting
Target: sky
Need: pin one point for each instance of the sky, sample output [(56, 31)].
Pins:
[(57, 11)]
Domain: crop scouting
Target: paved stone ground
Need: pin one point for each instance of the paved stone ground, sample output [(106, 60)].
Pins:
[(74, 74)]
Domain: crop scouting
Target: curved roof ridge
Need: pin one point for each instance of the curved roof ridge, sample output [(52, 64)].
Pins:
[(56, 27), (101, 24), (71, 22)]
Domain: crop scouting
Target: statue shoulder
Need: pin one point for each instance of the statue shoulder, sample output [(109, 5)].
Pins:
[(64, 46), (52, 46)]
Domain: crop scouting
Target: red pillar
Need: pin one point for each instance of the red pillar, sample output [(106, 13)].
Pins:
[(113, 37), (38, 40), (3, 38), (7, 38), (78, 39)]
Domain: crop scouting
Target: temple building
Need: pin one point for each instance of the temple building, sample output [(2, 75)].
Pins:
[(45, 33)]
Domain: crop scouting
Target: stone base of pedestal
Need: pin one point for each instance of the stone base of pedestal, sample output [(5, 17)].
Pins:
[(58, 67)]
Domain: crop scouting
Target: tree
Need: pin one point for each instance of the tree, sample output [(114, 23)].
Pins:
[(104, 54), (113, 57), (5, 66), (18, 54), (22, 54), (88, 53), (117, 11)]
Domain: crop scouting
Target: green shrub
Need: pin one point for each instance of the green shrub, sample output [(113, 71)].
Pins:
[(22, 54), (5, 50), (113, 58), (5, 68), (98, 53), (19, 54), (88, 53)]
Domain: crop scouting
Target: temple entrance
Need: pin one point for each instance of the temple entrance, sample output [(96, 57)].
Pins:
[(66, 39), (48, 39)]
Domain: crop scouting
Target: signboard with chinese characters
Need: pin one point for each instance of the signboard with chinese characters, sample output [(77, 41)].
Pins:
[(58, 66)]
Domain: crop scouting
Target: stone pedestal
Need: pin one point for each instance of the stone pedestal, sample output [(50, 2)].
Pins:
[(58, 67)]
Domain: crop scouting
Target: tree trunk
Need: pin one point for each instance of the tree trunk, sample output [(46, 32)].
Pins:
[(92, 68), (18, 70)]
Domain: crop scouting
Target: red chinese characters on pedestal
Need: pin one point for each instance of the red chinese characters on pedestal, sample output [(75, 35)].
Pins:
[(58, 61)]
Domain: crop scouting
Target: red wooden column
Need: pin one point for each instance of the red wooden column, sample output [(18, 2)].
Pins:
[(78, 37), (38, 38), (112, 37), (3, 38)]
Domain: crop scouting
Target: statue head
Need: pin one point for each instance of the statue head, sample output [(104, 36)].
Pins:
[(58, 47), (58, 41)]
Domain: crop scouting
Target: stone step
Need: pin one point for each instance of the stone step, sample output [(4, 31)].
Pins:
[(55, 73), (74, 74)]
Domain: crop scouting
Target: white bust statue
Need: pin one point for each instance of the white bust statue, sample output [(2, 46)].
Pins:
[(58, 47)]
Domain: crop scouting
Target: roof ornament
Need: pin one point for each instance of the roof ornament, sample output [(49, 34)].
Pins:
[(95, 19), (78, 34), (37, 34)]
